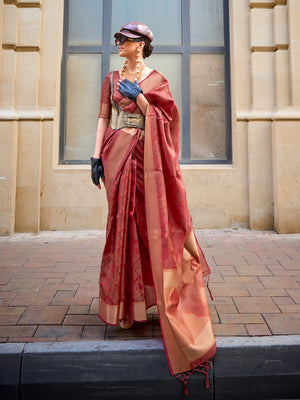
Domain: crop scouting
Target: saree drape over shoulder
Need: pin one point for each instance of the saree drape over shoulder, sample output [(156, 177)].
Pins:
[(151, 255)]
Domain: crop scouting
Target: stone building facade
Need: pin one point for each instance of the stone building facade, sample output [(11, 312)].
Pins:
[(258, 189)]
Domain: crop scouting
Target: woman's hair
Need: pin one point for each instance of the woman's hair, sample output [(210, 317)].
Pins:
[(148, 48)]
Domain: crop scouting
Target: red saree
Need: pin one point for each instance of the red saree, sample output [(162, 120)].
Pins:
[(151, 255)]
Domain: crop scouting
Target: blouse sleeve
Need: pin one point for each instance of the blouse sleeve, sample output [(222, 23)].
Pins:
[(105, 105)]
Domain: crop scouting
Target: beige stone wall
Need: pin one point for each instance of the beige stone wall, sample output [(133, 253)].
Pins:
[(273, 120), (260, 189)]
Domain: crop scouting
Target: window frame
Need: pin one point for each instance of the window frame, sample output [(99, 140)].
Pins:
[(185, 50)]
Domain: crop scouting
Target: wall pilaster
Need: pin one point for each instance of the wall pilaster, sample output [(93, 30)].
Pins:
[(294, 49), (274, 115), (286, 131), (263, 49), (19, 117)]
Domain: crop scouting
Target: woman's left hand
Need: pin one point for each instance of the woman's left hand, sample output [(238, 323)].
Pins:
[(130, 89), (97, 171)]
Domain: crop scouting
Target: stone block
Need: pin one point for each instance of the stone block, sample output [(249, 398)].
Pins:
[(43, 315), (28, 27), (62, 333), (31, 2), (281, 34), (27, 210), (279, 282), (229, 330), (257, 371), (119, 369), (8, 62), (284, 324), (72, 218), (220, 197), (9, 29), (261, 3), (201, 208), (28, 177), (7, 143), (20, 331), (26, 79), (282, 78), (69, 181), (29, 154), (69, 200), (258, 330), (5, 194), (263, 81), (260, 175), (83, 320), (294, 49), (240, 55), (8, 163), (10, 360), (286, 172), (255, 305), (93, 332), (5, 189), (261, 30), (6, 223), (50, 52)]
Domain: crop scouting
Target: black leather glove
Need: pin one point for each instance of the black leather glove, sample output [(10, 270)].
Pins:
[(129, 89), (97, 170)]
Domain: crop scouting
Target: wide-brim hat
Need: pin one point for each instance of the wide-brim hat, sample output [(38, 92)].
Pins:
[(135, 30)]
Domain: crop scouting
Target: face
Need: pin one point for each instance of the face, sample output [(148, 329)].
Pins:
[(128, 49)]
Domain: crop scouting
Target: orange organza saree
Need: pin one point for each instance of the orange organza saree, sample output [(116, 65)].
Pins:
[(151, 255)]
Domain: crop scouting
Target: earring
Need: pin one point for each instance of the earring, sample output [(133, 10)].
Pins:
[(124, 68), (138, 63)]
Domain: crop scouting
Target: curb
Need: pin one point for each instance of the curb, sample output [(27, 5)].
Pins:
[(244, 368)]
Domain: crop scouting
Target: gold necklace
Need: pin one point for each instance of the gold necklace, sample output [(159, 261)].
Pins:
[(137, 73)]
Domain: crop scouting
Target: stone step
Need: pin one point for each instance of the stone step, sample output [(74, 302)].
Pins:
[(244, 368)]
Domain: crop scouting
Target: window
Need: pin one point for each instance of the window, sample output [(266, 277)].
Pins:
[(191, 48)]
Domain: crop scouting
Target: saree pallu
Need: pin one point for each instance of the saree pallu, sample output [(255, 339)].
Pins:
[(151, 254)]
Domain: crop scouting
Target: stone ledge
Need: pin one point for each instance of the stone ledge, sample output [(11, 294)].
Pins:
[(266, 3), (27, 114), (24, 3), (261, 3), (267, 49), (269, 114), (248, 368), (21, 49)]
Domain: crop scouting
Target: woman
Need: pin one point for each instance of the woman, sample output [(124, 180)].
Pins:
[(151, 255)]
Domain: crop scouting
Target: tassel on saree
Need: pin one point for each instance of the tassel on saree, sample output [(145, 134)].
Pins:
[(185, 376)]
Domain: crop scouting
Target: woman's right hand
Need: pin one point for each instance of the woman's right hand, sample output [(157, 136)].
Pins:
[(129, 89)]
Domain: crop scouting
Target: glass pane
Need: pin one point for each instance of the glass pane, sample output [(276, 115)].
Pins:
[(162, 17), (208, 124), (85, 22), (206, 19), (83, 99), (169, 65)]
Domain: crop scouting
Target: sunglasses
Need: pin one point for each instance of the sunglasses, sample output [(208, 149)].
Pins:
[(121, 39)]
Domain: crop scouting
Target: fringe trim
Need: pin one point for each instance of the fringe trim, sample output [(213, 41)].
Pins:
[(185, 376)]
